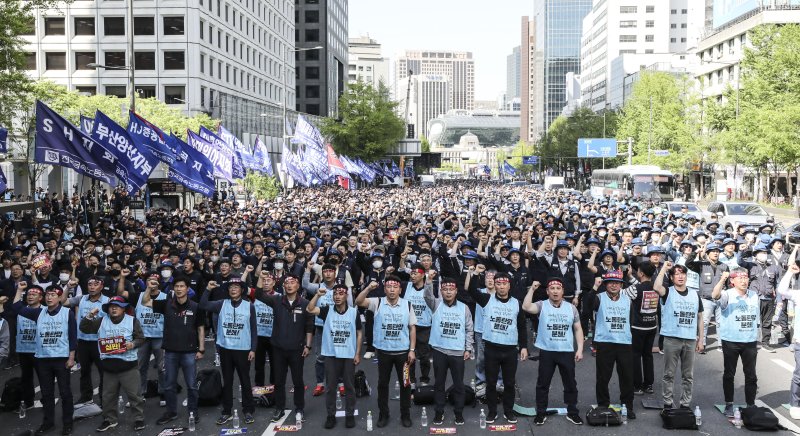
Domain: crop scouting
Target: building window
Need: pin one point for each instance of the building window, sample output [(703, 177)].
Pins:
[(202, 96), (144, 26), (650, 24), (312, 109), (30, 61), (146, 91), (312, 72), (114, 26), (312, 55), (55, 61), (174, 60), (672, 40), (84, 26), (312, 35), (311, 16), (202, 64), (648, 51), (115, 59), (649, 38), (673, 11), (683, 39), (53, 26), (175, 94), (623, 52), (684, 11), (312, 91), (86, 90), (627, 38), (627, 9), (683, 25), (174, 26), (145, 60), (650, 9), (83, 59), (117, 91), (673, 26), (627, 24)]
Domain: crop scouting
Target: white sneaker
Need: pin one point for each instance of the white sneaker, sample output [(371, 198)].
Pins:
[(128, 404), (369, 355), (794, 412), (162, 403), (185, 402)]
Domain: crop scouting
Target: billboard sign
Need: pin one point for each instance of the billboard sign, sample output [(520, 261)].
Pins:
[(530, 160), (597, 147)]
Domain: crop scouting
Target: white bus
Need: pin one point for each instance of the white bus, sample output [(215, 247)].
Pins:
[(646, 182)]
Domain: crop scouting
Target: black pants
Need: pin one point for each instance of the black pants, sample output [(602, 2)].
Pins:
[(423, 353), (455, 364), (767, 312), (369, 319), (548, 362), (387, 362), (345, 370), (587, 310), (609, 355), (497, 358), (283, 360), (88, 355), (731, 352), (783, 322), (27, 365), (49, 370), (12, 340), (236, 360), (643, 375), (264, 351)]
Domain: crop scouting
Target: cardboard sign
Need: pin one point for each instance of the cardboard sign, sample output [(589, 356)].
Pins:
[(232, 431), (115, 345), (503, 427), (40, 261), (287, 428), (263, 390), (442, 430), (175, 431)]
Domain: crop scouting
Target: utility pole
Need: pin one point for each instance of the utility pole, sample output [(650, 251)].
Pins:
[(131, 57), (630, 151)]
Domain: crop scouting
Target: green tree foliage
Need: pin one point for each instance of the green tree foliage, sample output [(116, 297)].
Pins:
[(425, 144), (559, 148), (369, 125), (262, 186)]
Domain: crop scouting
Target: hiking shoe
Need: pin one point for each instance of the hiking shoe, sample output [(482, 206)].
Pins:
[(491, 418), (539, 419), (105, 426), (728, 412), (166, 417), (574, 418), (224, 419), (350, 421), (631, 414), (277, 415), (438, 419), (330, 422), (138, 425), (459, 419), (248, 418), (510, 416), (319, 390)]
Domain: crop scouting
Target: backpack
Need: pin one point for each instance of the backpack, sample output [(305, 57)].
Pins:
[(209, 387), (12, 394), (759, 419), (678, 419), (361, 385), (603, 416), (469, 396)]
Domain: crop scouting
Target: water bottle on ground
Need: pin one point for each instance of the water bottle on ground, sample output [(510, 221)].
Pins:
[(22, 411), (482, 419), (120, 405), (338, 400), (298, 420), (698, 416), (424, 418), (624, 414), (235, 419), (369, 420), (191, 421), (737, 418), (396, 390), (472, 384)]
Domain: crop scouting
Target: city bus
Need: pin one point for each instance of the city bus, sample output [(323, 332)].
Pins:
[(646, 182)]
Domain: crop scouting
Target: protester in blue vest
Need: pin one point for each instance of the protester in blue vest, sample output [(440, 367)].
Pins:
[(682, 330), (413, 291), (451, 338), (504, 338), (394, 338), (738, 331), (341, 346), (87, 351), (55, 342), (118, 336), (153, 328), (613, 341), (237, 339), (265, 321), (26, 339), (559, 323), (480, 358)]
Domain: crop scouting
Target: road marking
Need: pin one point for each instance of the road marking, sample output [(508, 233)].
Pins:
[(783, 365), (781, 419), (271, 428)]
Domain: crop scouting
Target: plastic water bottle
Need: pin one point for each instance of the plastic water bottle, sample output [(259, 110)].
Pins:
[(482, 421), (737, 418), (120, 405), (424, 418), (216, 359), (369, 420), (338, 400), (298, 420), (191, 421), (698, 416), (22, 411), (397, 390), (472, 384), (624, 414), (235, 419)]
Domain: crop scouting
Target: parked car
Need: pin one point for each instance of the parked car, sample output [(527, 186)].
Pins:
[(676, 207), (733, 213)]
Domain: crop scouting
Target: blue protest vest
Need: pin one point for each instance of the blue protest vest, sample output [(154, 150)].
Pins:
[(52, 334), (421, 309), (152, 323), (339, 334), (555, 327), (26, 335), (84, 307), (264, 319), (500, 321), (109, 331), (613, 320), (390, 329), (449, 327), (741, 319), (478, 324), (324, 301), (679, 314), (233, 326)]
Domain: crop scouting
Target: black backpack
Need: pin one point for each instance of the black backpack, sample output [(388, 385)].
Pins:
[(424, 395), (12, 394), (209, 387), (759, 419), (603, 416), (469, 396), (678, 419), (361, 385)]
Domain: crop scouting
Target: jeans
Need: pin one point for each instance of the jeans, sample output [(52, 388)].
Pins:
[(285, 360), (710, 307), (129, 382), (319, 363), (369, 320), (643, 372), (172, 363), (47, 370), (455, 364), (500, 358), (264, 352), (387, 362), (548, 362), (423, 353), (88, 354), (236, 360), (336, 369), (151, 346), (609, 355), (678, 349), (731, 352)]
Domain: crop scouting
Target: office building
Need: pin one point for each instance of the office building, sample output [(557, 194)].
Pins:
[(321, 74), (366, 62), (513, 74), (531, 101), (457, 67), (428, 97)]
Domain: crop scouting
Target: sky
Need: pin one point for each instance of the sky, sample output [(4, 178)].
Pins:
[(489, 29)]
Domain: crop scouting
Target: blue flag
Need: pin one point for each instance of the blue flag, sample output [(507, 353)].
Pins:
[(508, 169), (147, 136), (395, 170), (137, 164), (3, 182), (60, 143), (86, 125), (3, 140), (243, 151), (237, 171), (291, 164), (192, 169), (221, 161), (261, 155), (306, 133)]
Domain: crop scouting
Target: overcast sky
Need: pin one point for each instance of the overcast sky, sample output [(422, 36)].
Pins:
[(489, 29)]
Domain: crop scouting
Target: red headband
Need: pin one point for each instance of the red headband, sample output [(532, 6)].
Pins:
[(418, 271), (557, 282), (501, 279), (739, 274), (391, 281)]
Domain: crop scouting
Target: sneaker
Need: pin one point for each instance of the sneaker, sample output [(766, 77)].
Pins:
[(661, 352), (728, 412), (510, 416), (794, 412), (67, 430), (350, 421), (425, 381), (248, 418), (383, 421), (185, 402), (574, 418), (768, 349), (167, 417), (438, 419), (369, 355), (491, 418), (138, 425), (631, 413), (223, 419), (302, 414), (648, 389), (76, 367), (319, 390), (277, 415), (539, 419), (638, 391), (459, 419), (82, 401), (105, 426), (406, 420), (330, 422)]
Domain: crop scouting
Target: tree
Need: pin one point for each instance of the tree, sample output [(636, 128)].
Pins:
[(369, 125), (425, 144), (262, 186)]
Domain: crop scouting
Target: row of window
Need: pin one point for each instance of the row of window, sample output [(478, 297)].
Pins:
[(112, 26), (250, 55), (266, 14), (173, 94), (143, 60), (648, 9), (632, 24)]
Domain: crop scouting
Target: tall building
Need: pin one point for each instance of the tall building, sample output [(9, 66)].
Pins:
[(530, 99), (644, 33), (457, 67), (366, 62), (513, 74), (321, 74), (427, 97), (558, 52)]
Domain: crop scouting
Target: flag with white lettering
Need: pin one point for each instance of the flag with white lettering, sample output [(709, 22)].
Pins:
[(335, 166), (147, 136), (137, 164), (221, 161), (86, 125), (3, 140), (237, 171), (261, 155), (243, 151), (192, 169)]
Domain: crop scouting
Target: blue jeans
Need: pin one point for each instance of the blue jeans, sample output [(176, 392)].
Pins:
[(186, 362), (151, 346), (710, 307)]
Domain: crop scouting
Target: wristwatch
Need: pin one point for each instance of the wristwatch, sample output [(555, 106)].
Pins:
[(413, 350), (307, 346)]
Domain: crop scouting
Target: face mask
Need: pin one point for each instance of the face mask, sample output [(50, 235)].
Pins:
[(239, 236), (166, 273), (46, 232), (115, 273), (761, 257), (227, 243), (69, 230), (107, 252), (214, 258), (63, 277), (278, 265), (377, 264), (131, 237), (68, 247), (601, 233), (98, 249)]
